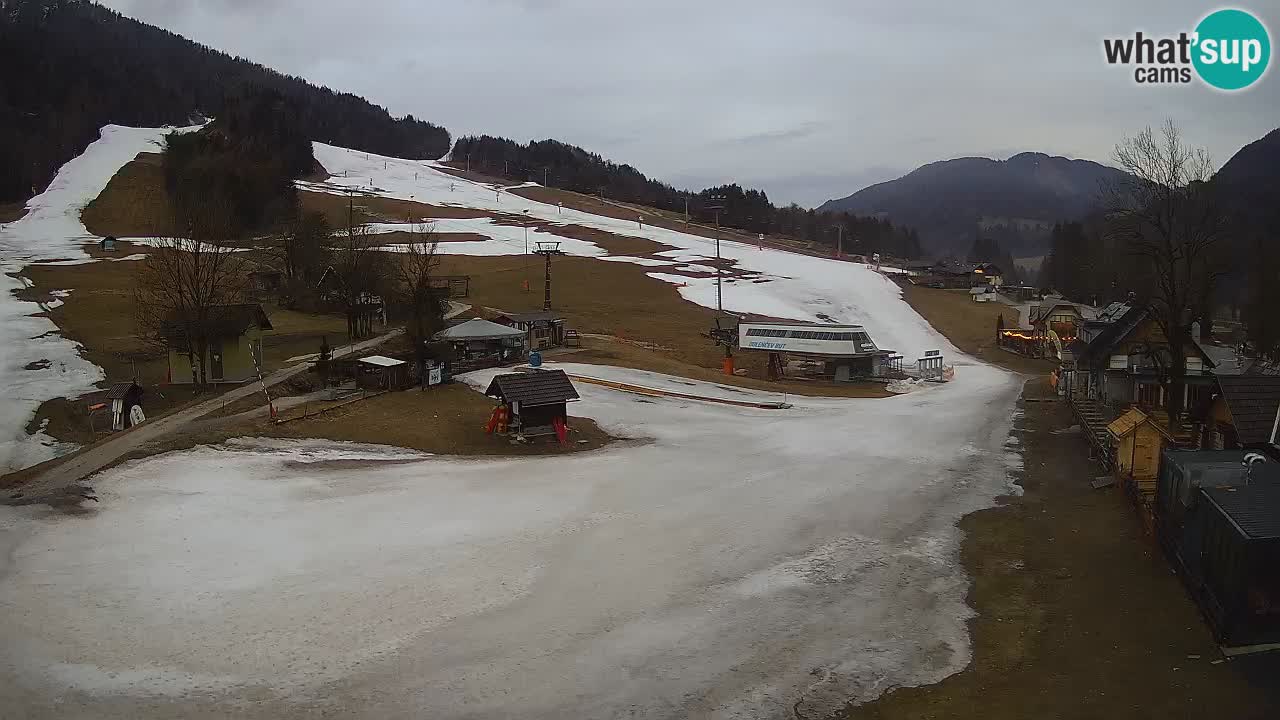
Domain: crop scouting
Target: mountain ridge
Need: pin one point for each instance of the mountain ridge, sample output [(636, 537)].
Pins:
[(952, 201)]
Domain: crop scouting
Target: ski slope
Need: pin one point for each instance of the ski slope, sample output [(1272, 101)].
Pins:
[(36, 363), (738, 564), (800, 287), (731, 563)]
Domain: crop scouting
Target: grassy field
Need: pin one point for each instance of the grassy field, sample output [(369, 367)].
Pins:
[(99, 315), (133, 204), (447, 419), (971, 326), (10, 212), (1079, 614)]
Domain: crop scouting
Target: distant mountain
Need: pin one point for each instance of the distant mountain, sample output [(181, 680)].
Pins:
[(70, 66), (1251, 178), (1015, 201)]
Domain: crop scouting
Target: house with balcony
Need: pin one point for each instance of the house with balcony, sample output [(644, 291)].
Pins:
[(1122, 359)]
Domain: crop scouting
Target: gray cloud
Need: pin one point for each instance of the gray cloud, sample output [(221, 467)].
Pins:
[(805, 100)]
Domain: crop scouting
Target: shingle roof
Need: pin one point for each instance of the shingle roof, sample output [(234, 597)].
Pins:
[(222, 320), (1254, 508), (118, 391), (1253, 401), (545, 387)]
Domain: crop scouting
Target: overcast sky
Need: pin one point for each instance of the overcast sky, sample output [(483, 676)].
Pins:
[(807, 100)]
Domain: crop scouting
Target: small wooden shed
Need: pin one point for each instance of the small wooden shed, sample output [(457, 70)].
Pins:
[(124, 397), (379, 372), (1138, 441), (533, 403)]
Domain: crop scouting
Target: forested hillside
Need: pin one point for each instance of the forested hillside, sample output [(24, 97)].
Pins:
[(69, 67), (1087, 262), (573, 168)]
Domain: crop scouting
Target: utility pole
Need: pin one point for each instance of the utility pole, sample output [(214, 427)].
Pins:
[(526, 250), (839, 240), (545, 170)]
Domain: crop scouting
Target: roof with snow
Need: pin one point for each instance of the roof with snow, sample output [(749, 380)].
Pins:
[(539, 316), (381, 361), (478, 329)]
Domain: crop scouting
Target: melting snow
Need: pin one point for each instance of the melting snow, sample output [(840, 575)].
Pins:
[(736, 562)]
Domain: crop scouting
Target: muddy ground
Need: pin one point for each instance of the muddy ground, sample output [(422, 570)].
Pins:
[(1079, 614)]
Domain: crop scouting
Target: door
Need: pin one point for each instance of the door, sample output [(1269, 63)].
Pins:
[(215, 359)]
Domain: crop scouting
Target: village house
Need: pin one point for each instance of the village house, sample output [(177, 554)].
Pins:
[(265, 283), (1243, 412), (545, 329), (962, 275), (1058, 324), (1117, 363), (234, 349)]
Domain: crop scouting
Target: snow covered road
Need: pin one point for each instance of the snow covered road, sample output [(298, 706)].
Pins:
[(735, 563)]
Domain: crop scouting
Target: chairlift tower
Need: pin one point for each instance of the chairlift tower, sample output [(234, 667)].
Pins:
[(547, 250)]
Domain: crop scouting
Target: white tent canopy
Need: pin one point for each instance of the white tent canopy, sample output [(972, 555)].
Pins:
[(478, 329)]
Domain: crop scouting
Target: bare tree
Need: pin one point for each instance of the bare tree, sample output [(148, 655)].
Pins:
[(1166, 214), (182, 287), (416, 290), (356, 276)]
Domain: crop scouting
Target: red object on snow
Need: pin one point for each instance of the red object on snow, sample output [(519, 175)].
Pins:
[(562, 430)]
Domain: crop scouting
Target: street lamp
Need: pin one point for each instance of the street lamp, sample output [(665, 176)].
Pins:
[(716, 205)]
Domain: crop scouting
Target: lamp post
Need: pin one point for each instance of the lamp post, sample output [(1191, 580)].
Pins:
[(717, 204)]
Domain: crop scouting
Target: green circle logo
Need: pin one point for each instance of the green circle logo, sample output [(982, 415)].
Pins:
[(1232, 49)]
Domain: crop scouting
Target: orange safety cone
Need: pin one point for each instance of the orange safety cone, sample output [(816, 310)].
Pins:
[(728, 366)]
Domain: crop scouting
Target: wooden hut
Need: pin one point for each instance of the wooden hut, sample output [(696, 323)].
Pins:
[(124, 397), (379, 372), (533, 403), (1138, 441), (545, 328)]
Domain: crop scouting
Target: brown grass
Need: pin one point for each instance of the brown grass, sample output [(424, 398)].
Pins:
[(99, 314), (133, 204), (12, 212), (971, 326), (619, 299), (1079, 615), (398, 237), (447, 419), (368, 208)]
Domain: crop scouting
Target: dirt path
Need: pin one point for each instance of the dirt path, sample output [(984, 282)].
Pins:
[(60, 480)]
